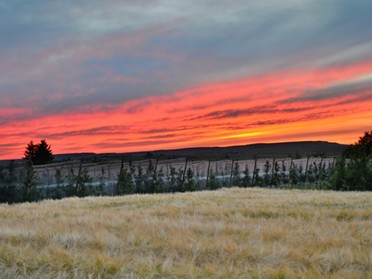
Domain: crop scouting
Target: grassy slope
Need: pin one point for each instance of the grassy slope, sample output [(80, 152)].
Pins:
[(230, 233)]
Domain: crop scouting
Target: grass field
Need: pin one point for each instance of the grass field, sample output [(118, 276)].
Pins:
[(230, 233)]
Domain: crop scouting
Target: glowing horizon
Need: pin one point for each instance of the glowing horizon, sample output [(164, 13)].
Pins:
[(174, 121), (143, 76)]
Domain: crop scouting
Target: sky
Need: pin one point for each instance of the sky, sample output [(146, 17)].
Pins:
[(139, 75)]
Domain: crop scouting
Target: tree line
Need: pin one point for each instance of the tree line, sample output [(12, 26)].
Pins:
[(25, 184), (352, 171)]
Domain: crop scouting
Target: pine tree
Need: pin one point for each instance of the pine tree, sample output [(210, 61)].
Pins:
[(43, 154), (139, 179), (59, 189), (172, 180), (190, 183), (236, 176), (101, 186), (125, 183), (30, 191), (159, 184), (80, 184), (83, 186), (246, 181), (294, 175), (356, 165), (267, 167), (276, 177), (40, 153), (30, 151), (213, 182), (283, 174), (311, 174)]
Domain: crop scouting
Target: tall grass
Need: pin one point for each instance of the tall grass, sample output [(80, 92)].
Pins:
[(229, 233)]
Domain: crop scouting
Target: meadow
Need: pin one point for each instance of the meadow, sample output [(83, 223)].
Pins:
[(228, 233)]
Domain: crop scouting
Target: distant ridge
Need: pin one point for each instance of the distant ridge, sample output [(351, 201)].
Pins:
[(260, 150), (279, 150)]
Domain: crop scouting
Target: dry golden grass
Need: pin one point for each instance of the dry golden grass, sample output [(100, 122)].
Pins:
[(230, 233)]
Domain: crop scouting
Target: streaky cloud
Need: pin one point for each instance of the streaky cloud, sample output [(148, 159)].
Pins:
[(356, 86)]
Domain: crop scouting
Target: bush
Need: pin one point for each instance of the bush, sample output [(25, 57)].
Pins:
[(353, 171)]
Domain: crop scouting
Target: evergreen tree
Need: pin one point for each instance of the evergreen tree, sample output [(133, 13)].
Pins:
[(311, 174), (213, 182), (30, 151), (294, 175), (43, 154), (301, 174), (276, 177), (125, 183), (246, 181), (30, 182), (354, 170), (3, 186), (180, 181), (139, 179), (80, 184), (101, 186), (59, 179), (10, 179), (190, 183), (364, 143), (71, 181), (83, 186), (338, 177), (283, 174), (150, 178), (257, 180), (267, 177), (172, 179), (39, 154), (322, 173), (236, 176), (159, 184)]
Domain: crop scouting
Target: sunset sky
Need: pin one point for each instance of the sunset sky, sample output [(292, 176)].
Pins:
[(138, 75)]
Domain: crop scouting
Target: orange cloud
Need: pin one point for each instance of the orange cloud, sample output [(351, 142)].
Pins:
[(267, 108)]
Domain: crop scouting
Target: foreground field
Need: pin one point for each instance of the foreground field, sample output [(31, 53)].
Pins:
[(230, 233)]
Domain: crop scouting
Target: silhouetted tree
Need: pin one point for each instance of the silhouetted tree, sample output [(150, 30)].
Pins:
[(365, 143), (39, 154), (30, 151), (354, 170), (43, 153)]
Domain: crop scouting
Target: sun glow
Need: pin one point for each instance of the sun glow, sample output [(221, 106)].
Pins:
[(276, 107), (244, 135)]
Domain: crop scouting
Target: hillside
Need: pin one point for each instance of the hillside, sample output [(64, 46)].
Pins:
[(229, 233), (260, 150)]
